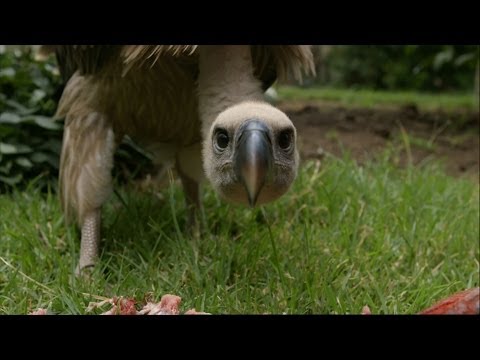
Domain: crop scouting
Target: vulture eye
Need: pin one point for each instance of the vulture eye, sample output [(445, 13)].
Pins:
[(285, 139), (221, 140)]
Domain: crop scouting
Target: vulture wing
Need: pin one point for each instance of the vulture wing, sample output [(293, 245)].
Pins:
[(87, 59), (269, 61)]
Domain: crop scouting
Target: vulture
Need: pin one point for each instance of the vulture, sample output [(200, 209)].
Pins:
[(199, 109)]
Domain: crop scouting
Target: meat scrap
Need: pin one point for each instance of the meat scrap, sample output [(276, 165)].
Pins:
[(39, 311), (121, 306), (461, 303), (168, 305), (366, 310), (195, 312)]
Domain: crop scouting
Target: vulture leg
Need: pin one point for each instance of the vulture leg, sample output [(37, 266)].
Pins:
[(190, 171), (192, 197), (85, 177), (90, 241)]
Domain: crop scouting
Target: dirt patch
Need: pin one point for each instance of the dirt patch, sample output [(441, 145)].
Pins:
[(450, 136)]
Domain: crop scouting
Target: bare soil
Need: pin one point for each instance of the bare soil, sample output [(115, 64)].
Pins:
[(450, 136)]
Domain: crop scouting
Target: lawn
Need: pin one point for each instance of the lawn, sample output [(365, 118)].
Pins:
[(372, 98), (345, 236)]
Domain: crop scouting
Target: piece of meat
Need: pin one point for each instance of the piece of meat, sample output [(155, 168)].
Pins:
[(168, 305), (465, 302), (366, 310), (171, 303), (39, 312), (462, 303), (195, 312), (122, 306)]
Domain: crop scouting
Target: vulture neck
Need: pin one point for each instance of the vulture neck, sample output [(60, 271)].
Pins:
[(226, 78)]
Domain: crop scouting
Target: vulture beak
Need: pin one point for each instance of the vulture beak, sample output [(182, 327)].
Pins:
[(253, 157)]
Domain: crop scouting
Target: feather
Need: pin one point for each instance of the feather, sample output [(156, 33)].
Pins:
[(270, 61)]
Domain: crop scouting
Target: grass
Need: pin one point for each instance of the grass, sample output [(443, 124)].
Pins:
[(345, 236), (372, 98)]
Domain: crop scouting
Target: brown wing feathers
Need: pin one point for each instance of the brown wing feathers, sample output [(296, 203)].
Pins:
[(270, 61)]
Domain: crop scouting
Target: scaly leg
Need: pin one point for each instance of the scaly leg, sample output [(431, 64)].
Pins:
[(192, 197), (189, 168), (90, 241), (85, 178)]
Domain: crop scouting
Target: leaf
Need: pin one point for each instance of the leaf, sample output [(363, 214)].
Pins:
[(7, 149), (442, 58), (11, 180), (40, 81), (24, 162), (54, 161), (6, 168), (14, 149), (46, 122), (20, 109), (54, 145), (37, 96), (9, 118), (38, 157), (462, 59), (9, 131), (7, 72), (41, 157)]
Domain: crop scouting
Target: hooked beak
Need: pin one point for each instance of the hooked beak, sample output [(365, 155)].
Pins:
[(253, 157)]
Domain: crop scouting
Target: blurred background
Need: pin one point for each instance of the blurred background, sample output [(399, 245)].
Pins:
[(435, 68), (422, 101)]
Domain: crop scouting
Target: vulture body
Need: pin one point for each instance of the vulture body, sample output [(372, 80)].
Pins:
[(198, 108)]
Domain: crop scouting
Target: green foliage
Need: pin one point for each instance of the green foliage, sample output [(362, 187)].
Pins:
[(368, 98), (30, 140), (419, 67)]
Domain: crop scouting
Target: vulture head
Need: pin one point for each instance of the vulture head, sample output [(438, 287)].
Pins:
[(250, 154), (249, 146)]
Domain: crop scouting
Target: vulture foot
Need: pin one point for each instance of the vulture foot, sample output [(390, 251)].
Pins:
[(90, 241)]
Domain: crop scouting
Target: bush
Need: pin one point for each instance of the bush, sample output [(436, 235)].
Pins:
[(410, 67), (30, 140)]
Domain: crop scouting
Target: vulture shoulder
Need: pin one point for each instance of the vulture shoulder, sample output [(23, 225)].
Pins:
[(270, 62), (87, 59)]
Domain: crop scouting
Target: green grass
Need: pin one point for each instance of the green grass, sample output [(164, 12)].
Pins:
[(345, 236), (372, 98)]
